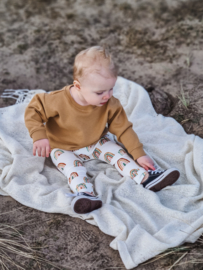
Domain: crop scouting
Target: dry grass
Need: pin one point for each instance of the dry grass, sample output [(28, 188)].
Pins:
[(185, 100), (12, 244), (177, 254)]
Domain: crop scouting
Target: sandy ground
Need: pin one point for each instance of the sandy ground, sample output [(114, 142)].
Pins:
[(158, 44)]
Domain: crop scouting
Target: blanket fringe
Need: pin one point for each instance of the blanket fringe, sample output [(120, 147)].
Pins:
[(21, 95)]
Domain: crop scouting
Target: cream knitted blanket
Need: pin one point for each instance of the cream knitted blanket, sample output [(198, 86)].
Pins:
[(143, 223)]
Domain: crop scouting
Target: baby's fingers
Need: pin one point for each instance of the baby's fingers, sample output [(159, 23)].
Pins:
[(34, 150), (43, 150), (151, 167), (47, 151), (144, 166), (39, 151)]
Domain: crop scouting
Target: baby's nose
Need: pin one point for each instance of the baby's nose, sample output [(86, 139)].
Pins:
[(107, 96)]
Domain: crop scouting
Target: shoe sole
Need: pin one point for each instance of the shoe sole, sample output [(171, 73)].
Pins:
[(84, 205), (168, 178)]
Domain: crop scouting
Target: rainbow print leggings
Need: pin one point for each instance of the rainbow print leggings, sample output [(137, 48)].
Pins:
[(70, 163)]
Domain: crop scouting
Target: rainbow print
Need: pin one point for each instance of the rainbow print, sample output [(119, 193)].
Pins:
[(134, 173), (88, 148), (84, 157), (96, 153), (77, 163), (103, 140), (86, 180), (122, 152), (72, 176), (57, 153), (108, 156), (61, 166), (80, 186), (122, 162)]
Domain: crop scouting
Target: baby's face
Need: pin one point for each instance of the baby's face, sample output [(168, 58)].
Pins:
[(97, 89)]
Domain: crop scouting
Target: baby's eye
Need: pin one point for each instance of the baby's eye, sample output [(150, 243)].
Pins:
[(103, 92)]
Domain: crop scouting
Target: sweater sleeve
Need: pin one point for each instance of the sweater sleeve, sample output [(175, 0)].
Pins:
[(37, 113), (122, 128)]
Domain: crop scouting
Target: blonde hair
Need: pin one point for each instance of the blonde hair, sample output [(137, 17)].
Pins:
[(90, 59)]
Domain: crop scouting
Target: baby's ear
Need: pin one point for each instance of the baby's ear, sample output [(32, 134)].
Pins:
[(76, 84)]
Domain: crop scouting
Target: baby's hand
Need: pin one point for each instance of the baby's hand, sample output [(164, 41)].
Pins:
[(146, 162), (43, 148)]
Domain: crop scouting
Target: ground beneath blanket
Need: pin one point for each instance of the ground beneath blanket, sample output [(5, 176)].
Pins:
[(157, 44)]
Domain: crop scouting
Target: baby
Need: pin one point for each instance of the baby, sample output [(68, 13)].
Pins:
[(78, 118)]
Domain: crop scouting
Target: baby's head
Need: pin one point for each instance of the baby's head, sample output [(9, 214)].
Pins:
[(92, 60), (94, 75)]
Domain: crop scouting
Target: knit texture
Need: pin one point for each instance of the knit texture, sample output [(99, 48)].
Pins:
[(70, 126), (143, 223)]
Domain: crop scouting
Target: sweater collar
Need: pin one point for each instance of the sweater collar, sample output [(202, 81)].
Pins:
[(75, 104)]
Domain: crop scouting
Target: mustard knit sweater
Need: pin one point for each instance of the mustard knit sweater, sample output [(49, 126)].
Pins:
[(70, 126)]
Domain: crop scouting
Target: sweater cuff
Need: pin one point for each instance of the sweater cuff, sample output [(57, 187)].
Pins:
[(138, 152), (39, 135)]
